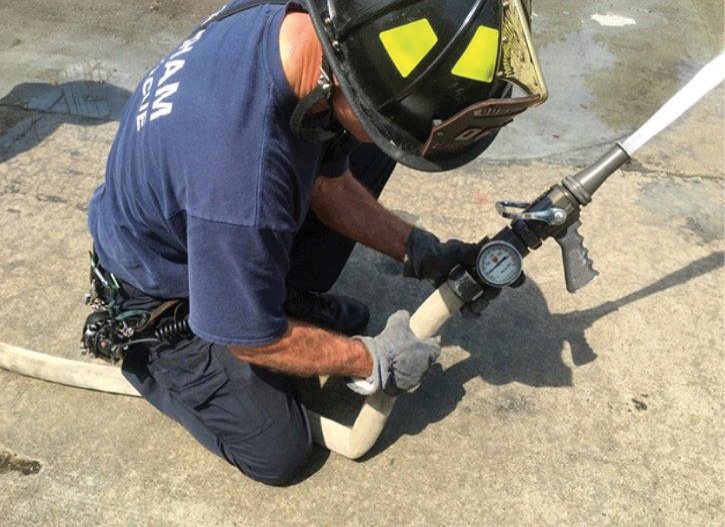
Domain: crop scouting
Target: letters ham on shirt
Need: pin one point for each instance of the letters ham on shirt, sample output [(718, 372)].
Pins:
[(162, 93)]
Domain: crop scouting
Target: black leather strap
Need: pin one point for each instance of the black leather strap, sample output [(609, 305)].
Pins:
[(321, 93), (309, 133)]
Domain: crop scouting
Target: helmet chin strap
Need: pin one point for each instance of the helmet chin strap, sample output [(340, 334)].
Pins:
[(321, 93)]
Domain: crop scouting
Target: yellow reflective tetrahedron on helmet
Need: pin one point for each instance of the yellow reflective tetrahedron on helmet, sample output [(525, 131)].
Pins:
[(479, 61), (408, 45)]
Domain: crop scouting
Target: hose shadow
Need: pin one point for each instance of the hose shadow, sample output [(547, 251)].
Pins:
[(521, 342), (31, 112)]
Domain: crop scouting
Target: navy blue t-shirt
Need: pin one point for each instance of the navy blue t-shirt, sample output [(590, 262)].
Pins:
[(206, 185)]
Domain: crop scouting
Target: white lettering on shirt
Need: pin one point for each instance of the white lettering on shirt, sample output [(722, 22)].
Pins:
[(161, 106), (171, 67), (141, 116), (145, 93)]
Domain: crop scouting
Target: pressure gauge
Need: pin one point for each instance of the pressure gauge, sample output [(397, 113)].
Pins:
[(499, 264)]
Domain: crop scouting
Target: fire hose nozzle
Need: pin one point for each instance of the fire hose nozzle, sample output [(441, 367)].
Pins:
[(587, 182)]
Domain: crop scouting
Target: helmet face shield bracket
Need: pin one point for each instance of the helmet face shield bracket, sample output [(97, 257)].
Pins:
[(518, 63)]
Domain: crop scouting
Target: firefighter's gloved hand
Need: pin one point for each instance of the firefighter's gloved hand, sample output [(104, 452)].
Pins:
[(427, 258), (400, 359)]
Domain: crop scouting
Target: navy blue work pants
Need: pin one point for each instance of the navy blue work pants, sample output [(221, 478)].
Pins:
[(248, 415)]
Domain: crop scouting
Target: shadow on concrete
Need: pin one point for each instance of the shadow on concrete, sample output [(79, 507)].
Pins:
[(522, 342), (317, 460), (33, 111)]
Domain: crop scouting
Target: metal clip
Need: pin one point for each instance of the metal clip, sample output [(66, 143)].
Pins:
[(324, 81), (552, 216)]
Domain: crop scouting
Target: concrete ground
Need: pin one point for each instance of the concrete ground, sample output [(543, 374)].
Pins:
[(602, 408)]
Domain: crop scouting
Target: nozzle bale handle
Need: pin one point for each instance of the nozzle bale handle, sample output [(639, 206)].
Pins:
[(578, 267)]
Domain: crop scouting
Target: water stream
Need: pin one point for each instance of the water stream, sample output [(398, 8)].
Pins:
[(706, 79)]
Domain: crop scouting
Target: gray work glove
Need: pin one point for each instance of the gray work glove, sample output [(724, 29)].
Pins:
[(400, 359), (427, 258)]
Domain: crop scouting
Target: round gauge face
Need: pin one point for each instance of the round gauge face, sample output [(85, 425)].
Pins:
[(499, 264)]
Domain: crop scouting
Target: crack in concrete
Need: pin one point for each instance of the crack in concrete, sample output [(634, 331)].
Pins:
[(44, 198), (557, 159), (641, 169), (633, 168), (51, 112), (658, 174)]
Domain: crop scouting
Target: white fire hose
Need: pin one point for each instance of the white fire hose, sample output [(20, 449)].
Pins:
[(351, 442)]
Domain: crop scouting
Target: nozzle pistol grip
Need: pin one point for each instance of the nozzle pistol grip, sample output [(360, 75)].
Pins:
[(578, 268)]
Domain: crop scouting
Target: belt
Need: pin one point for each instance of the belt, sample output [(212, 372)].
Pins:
[(113, 329)]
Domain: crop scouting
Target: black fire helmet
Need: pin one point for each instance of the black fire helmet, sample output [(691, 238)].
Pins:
[(430, 80)]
